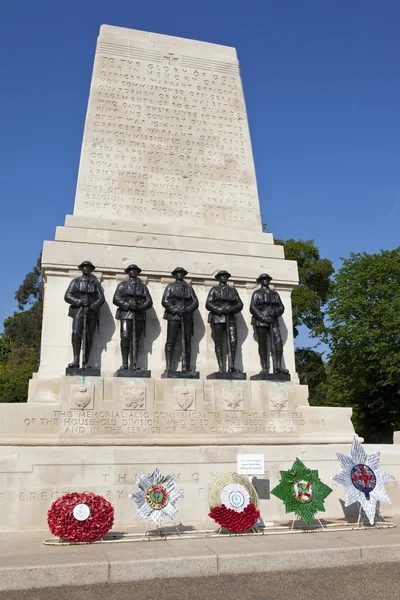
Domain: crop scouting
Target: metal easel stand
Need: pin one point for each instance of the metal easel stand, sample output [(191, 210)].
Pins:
[(307, 527), (363, 520), (159, 532)]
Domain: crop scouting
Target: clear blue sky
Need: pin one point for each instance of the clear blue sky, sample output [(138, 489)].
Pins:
[(322, 87)]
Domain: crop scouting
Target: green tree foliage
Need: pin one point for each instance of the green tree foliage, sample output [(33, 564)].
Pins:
[(14, 378), (19, 343), (310, 296), (312, 371), (364, 338)]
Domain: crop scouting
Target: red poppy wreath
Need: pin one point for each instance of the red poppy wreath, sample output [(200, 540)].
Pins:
[(80, 517), (233, 502)]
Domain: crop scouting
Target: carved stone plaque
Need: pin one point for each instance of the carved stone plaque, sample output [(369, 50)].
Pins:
[(232, 398), (184, 398), (278, 399), (82, 397), (135, 398)]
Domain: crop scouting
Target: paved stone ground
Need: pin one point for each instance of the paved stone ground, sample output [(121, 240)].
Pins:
[(199, 567), (380, 582)]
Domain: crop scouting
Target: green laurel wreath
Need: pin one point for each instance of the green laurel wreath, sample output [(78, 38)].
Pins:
[(285, 491)]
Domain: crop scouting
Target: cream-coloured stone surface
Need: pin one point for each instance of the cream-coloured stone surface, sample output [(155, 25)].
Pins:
[(166, 134), (134, 411), (31, 481)]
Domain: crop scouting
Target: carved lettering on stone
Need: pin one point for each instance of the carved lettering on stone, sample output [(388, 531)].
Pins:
[(184, 398), (82, 396), (278, 398), (135, 398), (233, 398)]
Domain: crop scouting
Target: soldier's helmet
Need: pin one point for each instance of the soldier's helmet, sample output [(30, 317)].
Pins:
[(223, 272), (263, 276), (86, 263), (133, 268), (179, 270)]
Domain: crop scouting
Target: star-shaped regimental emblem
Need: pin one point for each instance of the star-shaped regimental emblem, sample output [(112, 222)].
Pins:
[(156, 496), (363, 479), (302, 491)]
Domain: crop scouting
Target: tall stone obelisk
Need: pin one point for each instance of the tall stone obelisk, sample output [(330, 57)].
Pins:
[(166, 178)]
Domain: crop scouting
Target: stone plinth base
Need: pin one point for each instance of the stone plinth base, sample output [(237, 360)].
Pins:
[(235, 376), (88, 372), (271, 377), (140, 411), (133, 373), (180, 375), (32, 478)]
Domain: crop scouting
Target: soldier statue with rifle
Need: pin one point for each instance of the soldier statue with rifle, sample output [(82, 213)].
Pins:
[(86, 296), (224, 303), (266, 307), (180, 302), (133, 300)]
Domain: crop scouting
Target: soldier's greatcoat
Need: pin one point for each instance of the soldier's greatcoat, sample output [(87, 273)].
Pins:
[(266, 307), (221, 297), (78, 289), (132, 289)]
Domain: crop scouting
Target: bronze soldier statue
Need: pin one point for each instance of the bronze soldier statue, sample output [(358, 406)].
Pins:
[(224, 303), (133, 299), (180, 302), (86, 296), (266, 307)]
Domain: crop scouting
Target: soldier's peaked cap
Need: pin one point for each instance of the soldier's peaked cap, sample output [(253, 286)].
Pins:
[(223, 272), (135, 267), (264, 276), (86, 263), (179, 270)]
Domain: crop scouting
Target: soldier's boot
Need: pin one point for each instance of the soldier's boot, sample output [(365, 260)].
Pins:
[(85, 359), (76, 348), (125, 356), (220, 359), (134, 366), (264, 361), (278, 364), (188, 357), (168, 359), (232, 369)]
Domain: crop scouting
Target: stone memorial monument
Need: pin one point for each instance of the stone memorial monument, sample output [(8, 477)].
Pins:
[(166, 172)]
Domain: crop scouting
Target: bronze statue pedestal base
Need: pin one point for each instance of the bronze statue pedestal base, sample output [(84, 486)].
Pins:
[(89, 372), (132, 373), (271, 377), (218, 375), (180, 375)]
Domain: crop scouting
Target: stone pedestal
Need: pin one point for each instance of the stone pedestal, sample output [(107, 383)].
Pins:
[(146, 411), (180, 375), (133, 373)]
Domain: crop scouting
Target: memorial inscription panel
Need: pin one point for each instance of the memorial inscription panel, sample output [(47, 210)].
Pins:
[(166, 136)]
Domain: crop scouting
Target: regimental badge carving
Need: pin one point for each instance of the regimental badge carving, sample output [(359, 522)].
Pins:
[(184, 398), (233, 398), (135, 397), (278, 398), (82, 397)]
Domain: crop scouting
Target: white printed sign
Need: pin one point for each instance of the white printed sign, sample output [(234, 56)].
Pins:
[(250, 464)]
